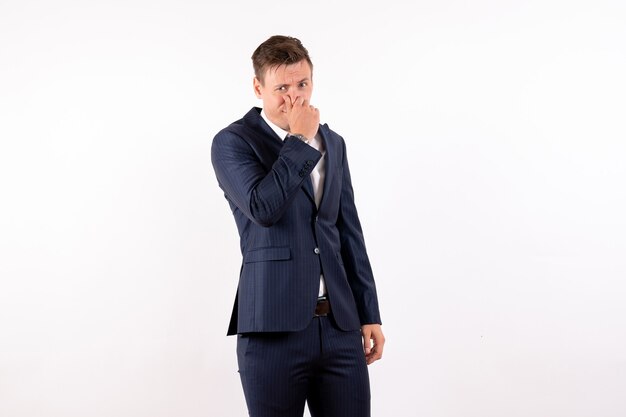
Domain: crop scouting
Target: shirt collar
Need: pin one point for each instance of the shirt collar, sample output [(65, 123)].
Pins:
[(282, 134)]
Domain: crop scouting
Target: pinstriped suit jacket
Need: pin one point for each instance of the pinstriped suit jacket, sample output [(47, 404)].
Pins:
[(286, 241)]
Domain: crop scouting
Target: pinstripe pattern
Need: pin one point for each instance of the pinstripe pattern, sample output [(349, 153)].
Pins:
[(266, 183), (321, 365)]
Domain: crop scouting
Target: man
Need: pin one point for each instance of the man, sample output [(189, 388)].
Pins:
[(306, 311)]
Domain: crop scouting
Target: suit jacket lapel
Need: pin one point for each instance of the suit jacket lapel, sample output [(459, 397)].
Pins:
[(255, 122)]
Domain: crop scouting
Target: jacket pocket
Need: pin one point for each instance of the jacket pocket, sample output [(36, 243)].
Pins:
[(268, 254)]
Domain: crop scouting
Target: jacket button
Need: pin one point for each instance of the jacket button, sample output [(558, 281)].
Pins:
[(317, 251)]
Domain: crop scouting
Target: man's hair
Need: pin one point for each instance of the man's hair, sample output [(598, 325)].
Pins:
[(276, 51)]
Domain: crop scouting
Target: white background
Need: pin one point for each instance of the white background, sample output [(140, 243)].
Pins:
[(487, 142)]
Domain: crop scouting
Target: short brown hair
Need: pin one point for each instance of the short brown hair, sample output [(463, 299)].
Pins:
[(276, 51)]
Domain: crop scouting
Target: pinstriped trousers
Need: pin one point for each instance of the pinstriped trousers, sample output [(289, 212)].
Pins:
[(320, 365)]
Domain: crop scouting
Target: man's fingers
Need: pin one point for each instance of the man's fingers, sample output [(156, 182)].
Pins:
[(373, 357), (373, 352), (288, 104), (379, 344), (376, 352), (367, 342)]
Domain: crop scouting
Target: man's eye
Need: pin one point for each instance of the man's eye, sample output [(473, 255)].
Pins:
[(282, 88), (302, 85)]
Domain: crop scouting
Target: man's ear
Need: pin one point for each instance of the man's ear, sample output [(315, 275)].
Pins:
[(256, 83)]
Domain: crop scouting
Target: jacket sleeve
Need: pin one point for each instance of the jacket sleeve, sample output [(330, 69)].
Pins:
[(354, 253), (262, 196)]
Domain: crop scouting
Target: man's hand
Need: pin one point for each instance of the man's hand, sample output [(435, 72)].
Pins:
[(303, 118), (372, 333)]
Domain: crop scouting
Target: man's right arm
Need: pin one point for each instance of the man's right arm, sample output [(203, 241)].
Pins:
[(261, 195)]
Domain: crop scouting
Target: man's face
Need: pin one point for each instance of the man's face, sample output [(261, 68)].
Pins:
[(283, 83)]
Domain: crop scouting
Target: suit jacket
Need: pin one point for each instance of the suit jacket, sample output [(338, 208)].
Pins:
[(286, 241)]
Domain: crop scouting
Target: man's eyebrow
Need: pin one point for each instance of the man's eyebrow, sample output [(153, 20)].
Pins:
[(299, 82)]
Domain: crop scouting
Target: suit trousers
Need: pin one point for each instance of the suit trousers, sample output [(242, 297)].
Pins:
[(320, 365)]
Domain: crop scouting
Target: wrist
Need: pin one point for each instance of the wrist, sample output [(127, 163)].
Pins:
[(301, 137)]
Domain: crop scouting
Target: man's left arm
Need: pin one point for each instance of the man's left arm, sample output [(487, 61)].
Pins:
[(358, 268)]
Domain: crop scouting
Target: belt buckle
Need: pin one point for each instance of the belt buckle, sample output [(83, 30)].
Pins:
[(322, 308)]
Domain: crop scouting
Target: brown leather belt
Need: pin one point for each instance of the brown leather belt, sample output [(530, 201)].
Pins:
[(323, 307)]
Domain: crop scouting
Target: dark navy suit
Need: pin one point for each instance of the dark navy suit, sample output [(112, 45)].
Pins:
[(286, 243)]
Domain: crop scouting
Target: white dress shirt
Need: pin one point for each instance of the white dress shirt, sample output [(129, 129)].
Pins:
[(317, 174)]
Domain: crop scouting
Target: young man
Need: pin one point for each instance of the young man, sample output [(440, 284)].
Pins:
[(306, 311)]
